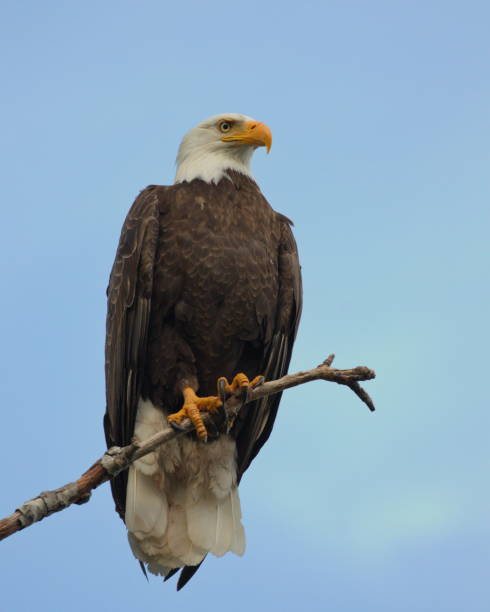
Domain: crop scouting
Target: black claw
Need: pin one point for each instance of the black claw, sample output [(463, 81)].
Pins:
[(244, 394), (221, 409), (222, 390)]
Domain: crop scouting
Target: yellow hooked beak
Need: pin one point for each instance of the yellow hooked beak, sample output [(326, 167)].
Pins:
[(252, 133)]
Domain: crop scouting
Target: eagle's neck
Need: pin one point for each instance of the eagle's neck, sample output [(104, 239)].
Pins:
[(211, 164)]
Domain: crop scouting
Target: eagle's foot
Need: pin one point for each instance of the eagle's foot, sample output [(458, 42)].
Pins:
[(239, 383), (192, 408)]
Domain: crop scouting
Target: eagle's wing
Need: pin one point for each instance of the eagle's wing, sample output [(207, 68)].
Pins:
[(259, 417), (128, 313)]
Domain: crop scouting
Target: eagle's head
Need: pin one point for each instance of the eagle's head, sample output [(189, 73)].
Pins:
[(221, 143)]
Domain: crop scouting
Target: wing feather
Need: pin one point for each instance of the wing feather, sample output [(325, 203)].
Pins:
[(128, 313), (260, 415)]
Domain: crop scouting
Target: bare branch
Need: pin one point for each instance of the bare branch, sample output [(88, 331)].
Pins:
[(117, 459)]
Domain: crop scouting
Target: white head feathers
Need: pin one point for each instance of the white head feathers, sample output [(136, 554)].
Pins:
[(221, 143)]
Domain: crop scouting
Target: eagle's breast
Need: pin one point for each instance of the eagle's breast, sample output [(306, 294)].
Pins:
[(216, 274)]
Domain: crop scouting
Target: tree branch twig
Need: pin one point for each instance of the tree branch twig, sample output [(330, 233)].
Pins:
[(117, 459)]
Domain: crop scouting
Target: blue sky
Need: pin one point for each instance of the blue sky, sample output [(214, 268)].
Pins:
[(379, 112)]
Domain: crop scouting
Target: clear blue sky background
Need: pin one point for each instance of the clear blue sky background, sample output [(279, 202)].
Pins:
[(380, 116)]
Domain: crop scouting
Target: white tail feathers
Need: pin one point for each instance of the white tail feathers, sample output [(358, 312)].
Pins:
[(213, 526), (142, 490), (182, 499)]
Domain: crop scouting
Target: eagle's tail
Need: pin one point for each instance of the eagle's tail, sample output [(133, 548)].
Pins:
[(182, 499)]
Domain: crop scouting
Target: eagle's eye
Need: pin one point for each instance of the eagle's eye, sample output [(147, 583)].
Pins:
[(225, 126)]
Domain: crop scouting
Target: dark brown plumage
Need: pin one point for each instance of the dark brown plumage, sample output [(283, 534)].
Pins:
[(206, 283)]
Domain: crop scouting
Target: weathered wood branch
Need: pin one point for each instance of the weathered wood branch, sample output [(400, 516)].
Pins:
[(117, 459)]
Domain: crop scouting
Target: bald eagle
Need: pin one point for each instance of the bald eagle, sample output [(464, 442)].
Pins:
[(204, 298)]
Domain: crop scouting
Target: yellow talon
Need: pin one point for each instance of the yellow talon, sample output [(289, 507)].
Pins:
[(192, 408), (239, 382), (194, 405)]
